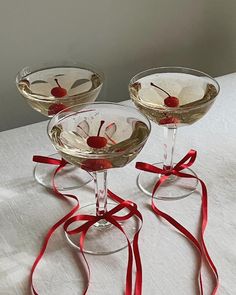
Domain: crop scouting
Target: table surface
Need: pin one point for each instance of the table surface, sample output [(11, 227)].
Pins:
[(28, 210)]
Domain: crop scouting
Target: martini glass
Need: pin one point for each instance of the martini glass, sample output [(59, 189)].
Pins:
[(49, 89), (172, 97), (98, 137)]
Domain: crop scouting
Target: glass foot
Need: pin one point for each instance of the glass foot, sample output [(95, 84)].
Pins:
[(173, 188), (104, 238), (70, 177)]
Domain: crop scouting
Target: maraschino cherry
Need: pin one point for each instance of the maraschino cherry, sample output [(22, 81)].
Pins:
[(170, 101), (97, 142), (96, 164), (169, 120), (58, 91), (55, 108)]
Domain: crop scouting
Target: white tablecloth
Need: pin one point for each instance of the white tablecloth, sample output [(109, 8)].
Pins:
[(170, 263)]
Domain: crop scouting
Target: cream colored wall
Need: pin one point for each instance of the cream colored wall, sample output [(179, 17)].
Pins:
[(120, 37)]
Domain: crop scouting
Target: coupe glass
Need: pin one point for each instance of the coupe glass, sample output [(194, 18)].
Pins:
[(172, 97), (98, 137), (50, 88)]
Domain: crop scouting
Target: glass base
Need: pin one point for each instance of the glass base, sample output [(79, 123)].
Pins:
[(104, 238), (70, 177), (174, 188)]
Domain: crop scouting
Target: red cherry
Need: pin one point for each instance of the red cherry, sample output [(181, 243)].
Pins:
[(169, 120), (55, 108), (171, 101), (96, 165), (58, 91), (96, 142)]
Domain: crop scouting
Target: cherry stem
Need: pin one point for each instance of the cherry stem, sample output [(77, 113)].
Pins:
[(56, 80), (102, 122), (152, 84)]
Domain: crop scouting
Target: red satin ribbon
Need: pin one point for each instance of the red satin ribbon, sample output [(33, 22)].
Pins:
[(186, 162), (110, 216)]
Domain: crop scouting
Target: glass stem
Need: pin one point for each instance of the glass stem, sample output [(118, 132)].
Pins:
[(100, 183), (169, 145)]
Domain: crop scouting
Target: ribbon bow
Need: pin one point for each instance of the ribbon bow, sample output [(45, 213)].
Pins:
[(112, 218), (90, 220), (186, 162)]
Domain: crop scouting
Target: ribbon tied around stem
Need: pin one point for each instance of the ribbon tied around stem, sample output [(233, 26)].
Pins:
[(113, 219), (184, 163), (90, 220)]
